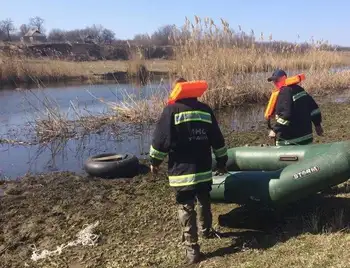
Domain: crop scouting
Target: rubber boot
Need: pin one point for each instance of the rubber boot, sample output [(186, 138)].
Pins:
[(187, 218), (205, 217), (193, 254)]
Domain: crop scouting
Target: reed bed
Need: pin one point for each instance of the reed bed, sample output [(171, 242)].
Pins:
[(24, 68), (247, 88), (236, 72), (210, 50), (49, 122), (202, 50)]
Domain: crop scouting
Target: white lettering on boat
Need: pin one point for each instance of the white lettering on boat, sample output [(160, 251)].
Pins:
[(305, 172)]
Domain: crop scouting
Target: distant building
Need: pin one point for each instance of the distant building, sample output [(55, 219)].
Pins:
[(34, 36)]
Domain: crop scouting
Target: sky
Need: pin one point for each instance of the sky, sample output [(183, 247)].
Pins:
[(285, 20)]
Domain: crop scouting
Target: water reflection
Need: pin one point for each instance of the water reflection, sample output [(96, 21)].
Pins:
[(245, 118), (69, 155), (19, 108)]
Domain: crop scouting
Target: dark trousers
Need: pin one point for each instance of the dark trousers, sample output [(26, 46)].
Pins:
[(186, 201)]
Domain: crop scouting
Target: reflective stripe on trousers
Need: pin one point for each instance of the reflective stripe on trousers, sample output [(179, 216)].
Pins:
[(220, 152), (190, 179), (296, 140), (157, 154)]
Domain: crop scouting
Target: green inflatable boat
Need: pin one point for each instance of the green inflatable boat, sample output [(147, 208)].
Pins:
[(281, 175), (275, 157)]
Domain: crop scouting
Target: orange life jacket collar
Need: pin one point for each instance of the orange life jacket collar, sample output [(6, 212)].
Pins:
[(184, 90)]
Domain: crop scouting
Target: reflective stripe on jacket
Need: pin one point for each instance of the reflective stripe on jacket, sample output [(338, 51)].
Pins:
[(187, 132), (295, 112)]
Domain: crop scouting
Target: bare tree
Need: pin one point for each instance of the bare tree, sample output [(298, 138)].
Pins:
[(108, 36), (38, 23), (7, 27), (94, 32), (23, 29), (57, 35), (163, 35), (2, 34), (142, 39), (75, 35)]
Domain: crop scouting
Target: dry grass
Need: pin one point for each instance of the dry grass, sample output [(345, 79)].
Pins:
[(208, 53), (206, 47), (49, 122), (52, 125), (24, 68), (145, 111), (247, 88), (60, 128), (253, 88)]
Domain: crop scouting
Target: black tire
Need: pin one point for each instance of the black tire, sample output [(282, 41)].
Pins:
[(124, 167)]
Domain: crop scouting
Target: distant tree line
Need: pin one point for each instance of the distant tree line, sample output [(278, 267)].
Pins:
[(167, 35), (8, 32)]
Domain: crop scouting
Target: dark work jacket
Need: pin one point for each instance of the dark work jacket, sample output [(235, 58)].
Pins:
[(295, 112), (187, 131)]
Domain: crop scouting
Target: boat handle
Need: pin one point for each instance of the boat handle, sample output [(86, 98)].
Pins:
[(289, 158)]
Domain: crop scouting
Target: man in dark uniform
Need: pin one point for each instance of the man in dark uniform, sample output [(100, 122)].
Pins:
[(186, 131), (295, 112)]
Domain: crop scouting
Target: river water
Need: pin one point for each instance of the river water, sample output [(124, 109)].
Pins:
[(19, 108)]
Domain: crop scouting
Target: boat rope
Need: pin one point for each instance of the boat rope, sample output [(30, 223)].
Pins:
[(85, 237)]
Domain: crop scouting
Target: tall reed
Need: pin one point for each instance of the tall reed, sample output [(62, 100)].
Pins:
[(234, 63)]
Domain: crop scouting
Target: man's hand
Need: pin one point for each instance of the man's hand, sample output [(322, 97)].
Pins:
[(272, 134), (154, 169), (319, 130)]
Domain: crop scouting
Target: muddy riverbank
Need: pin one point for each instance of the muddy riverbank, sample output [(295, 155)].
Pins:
[(137, 227), (137, 220)]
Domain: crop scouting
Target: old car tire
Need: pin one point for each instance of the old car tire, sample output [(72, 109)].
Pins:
[(110, 165)]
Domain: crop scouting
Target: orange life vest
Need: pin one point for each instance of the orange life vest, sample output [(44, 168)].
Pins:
[(191, 89), (270, 109)]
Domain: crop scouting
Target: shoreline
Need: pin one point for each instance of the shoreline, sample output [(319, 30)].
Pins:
[(117, 77)]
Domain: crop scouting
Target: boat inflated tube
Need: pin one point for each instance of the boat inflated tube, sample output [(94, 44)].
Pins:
[(276, 157), (292, 183)]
